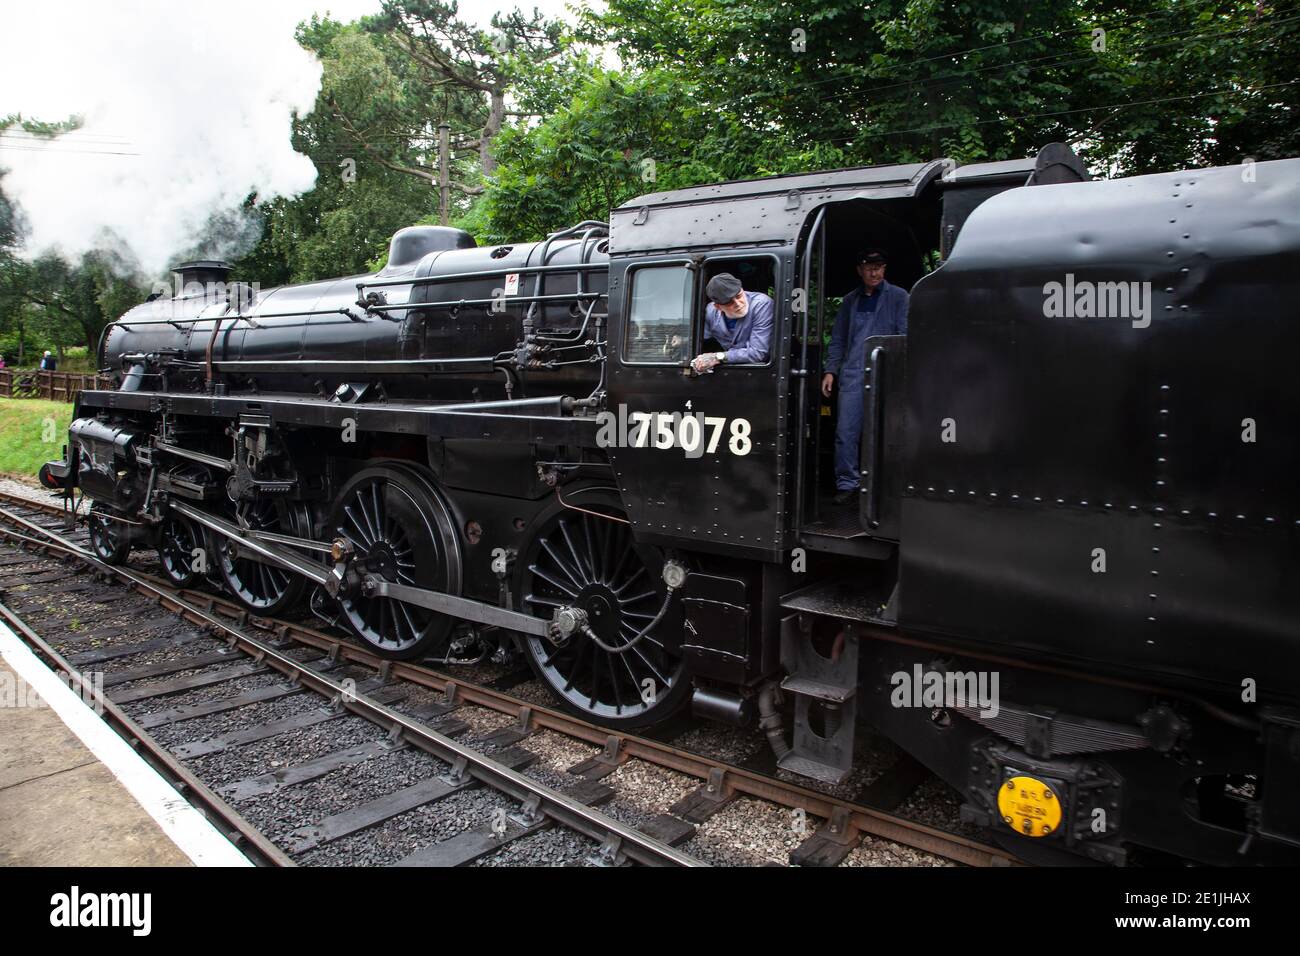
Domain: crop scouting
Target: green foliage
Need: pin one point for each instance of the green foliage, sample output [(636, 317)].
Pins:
[(25, 424), (608, 144)]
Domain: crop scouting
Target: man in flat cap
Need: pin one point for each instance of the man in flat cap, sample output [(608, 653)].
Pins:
[(740, 321), (875, 308)]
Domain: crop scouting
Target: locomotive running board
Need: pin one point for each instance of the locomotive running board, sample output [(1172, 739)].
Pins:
[(330, 579)]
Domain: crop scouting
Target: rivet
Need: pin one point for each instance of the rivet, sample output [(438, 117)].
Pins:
[(1184, 512), (1107, 505), (1165, 388), (1151, 596), (1268, 521), (1169, 254), (1083, 504), (1015, 497), (929, 491), (1155, 550), (1159, 510), (1241, 517), (1214, 514), (1151, 620), (1157, 525), (1036, 498), (1060, 501)]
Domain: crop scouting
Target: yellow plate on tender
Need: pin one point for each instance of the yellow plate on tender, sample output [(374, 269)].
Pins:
[(1029, 806)]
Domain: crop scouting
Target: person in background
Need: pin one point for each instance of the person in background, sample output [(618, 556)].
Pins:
[(874, 308), (49, 363)]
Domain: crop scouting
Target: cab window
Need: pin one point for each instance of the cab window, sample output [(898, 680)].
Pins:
[(659, 316)]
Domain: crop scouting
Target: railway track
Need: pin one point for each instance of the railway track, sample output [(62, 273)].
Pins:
[(409, 707)]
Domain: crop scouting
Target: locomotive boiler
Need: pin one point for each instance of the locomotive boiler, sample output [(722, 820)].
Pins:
[(1069, 584)]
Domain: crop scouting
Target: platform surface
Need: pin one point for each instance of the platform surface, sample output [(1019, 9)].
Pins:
[(61, 806)]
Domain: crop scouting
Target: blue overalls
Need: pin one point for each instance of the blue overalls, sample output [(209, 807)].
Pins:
[(860, 316)]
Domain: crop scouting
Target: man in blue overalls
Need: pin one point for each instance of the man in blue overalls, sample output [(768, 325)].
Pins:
[(877, 308)]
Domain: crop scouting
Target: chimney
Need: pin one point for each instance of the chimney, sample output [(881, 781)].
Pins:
[(202, 271)]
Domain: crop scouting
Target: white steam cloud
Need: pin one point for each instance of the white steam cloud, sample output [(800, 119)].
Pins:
[(187, 110)]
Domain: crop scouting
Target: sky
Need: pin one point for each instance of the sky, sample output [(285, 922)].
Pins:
[(187, 109)]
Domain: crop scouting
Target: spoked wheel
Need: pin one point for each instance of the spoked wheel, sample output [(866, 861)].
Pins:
[(178, 539), (403, 533), (577, 559), (108, 537), (263, 587)]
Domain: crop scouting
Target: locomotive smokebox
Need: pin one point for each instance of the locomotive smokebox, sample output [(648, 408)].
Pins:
[(415, 242)]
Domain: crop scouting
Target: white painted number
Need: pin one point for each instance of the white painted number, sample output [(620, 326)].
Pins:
[(711, 421), (643, 419), (740, 443), (689, 436), (663, 431)]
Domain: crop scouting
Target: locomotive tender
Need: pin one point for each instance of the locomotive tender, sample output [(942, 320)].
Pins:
[(1078, 480)]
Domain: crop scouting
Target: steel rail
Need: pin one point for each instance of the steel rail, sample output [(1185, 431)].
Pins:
[(245, 837), (564, 809)]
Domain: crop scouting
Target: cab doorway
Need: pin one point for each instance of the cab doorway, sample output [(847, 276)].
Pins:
[(906, 231)]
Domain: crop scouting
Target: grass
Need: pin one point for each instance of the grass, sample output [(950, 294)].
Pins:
[(31, 433)]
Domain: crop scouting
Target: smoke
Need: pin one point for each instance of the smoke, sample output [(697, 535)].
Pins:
[(186, 110)]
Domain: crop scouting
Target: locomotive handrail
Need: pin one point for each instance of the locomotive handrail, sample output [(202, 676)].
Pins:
[(801, 415), (483, 274), (563, 297), (246, 318), (484, 363), (874, 429)]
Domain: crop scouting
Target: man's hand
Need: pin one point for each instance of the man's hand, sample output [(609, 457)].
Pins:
[(828, 382), (702, 363)]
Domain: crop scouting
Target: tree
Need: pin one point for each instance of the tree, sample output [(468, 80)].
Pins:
[(470, 67)]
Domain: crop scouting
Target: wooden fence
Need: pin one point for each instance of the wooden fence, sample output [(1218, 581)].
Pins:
[(52, 386)]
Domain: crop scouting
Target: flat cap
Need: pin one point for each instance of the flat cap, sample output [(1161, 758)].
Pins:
[(722, 288), (872, 256)]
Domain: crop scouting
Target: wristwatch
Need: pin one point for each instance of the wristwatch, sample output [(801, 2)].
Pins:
[(720, 356)]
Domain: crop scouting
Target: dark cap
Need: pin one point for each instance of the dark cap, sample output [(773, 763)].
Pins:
[(722, 288), (872, 257)]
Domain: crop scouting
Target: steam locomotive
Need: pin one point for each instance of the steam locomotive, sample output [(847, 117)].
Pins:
[(1069, 585)]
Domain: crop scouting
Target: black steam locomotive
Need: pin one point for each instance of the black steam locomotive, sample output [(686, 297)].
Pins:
[(1069, 585)]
